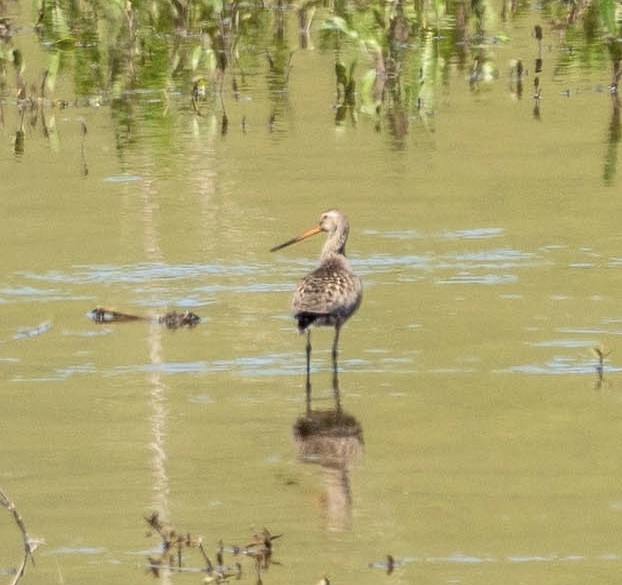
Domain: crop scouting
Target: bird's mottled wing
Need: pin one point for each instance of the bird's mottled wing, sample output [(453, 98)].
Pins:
[(328, 290)]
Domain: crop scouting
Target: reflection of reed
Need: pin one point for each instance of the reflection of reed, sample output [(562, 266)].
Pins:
[(614, 131), (601, 352), (157, 388), (159, 414), (334, 440), (537, 91)]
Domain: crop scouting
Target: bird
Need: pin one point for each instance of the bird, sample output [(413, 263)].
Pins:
[(330, 294)]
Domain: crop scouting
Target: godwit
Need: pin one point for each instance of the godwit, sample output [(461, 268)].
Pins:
[(331, 293)]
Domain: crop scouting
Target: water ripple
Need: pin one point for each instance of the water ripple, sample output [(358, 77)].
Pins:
[(473, 234), (490, 279), (133, 273)]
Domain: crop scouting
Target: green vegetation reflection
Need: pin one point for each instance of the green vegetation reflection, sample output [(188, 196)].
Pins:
[(392, 59)]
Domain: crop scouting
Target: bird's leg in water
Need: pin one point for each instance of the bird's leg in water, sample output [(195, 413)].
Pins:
[(308, 386), (335, 371)]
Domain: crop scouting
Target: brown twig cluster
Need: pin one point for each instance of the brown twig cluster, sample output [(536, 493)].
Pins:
[(175, 544), (30, 544)]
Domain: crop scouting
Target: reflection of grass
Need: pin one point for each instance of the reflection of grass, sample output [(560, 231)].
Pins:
[(408, 48), (148, 45), (391, 58)]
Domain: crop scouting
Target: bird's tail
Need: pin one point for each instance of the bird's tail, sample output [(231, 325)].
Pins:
[(305, 320)]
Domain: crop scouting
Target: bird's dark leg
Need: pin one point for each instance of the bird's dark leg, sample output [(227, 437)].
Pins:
[(308, 384), (335, 371)]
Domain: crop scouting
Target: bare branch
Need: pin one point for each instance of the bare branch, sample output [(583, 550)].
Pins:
[(30, 544)]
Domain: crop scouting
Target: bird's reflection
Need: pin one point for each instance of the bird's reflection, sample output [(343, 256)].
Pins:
[(333, 439)]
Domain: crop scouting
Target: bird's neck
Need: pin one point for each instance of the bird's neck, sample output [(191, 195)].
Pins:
[(334, 246), (332, 253)]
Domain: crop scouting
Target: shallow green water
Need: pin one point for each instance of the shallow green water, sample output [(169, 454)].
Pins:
[(489, 248)]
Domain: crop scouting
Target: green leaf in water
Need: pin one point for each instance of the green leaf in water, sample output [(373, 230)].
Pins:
[(196, 56), (368, 80), (52, 71), (338, 24)]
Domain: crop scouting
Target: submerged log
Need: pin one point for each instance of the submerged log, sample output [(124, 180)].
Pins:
[(171, 320), (101, 315), (174, 320)]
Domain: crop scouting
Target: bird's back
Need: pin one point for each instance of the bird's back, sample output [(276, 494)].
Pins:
[(327, 296)]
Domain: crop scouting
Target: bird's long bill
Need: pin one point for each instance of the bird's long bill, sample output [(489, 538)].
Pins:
[(310, 232)]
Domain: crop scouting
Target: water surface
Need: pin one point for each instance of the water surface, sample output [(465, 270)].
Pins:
[(487, 238)]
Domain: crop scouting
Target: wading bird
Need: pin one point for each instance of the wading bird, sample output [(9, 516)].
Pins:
[(330, 294)]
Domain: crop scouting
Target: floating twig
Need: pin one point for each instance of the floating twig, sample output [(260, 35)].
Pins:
[(102, 315)]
